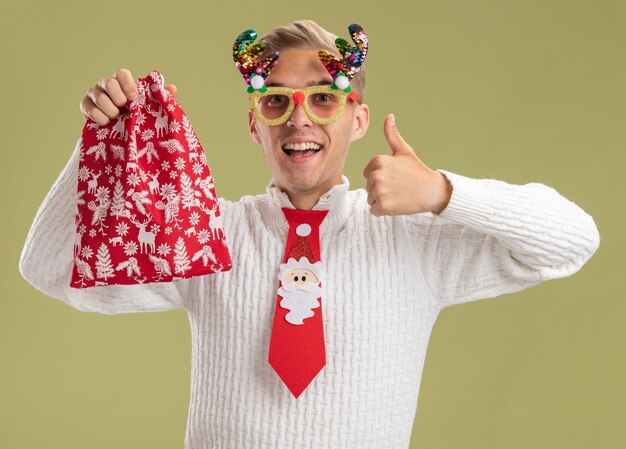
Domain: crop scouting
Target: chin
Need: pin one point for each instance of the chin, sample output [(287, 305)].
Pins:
[(303, 186)]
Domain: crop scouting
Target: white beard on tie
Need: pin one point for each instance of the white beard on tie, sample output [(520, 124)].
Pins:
[(300, 303)]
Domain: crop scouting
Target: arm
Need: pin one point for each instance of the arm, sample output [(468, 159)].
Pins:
[(47, 258), (477, 238), (494, 238)]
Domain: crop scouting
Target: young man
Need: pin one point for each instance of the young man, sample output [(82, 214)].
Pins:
[(392, 257)]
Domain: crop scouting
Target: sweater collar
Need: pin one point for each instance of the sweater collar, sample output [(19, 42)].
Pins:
[(335, 200)]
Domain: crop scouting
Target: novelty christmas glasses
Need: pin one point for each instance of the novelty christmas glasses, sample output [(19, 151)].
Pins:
[(322, 104)]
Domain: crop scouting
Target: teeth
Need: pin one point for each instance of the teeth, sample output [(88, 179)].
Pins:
[(302, 146)]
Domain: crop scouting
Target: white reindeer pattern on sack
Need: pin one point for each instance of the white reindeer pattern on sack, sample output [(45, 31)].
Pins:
[(106, 195)]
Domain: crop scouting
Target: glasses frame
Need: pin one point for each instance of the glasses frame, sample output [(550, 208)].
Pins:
[(255, 96)]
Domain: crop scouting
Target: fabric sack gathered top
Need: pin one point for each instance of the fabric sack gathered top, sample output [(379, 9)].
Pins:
[(147, 210)]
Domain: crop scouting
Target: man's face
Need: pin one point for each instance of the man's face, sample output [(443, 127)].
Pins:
[(310, 172)]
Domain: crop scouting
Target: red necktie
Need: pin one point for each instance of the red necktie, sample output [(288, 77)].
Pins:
[(297, 350)]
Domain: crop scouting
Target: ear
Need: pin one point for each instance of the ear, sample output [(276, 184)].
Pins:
[(254, 135), (360, 122)]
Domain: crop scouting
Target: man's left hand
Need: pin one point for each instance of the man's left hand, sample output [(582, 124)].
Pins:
[(400, 183)]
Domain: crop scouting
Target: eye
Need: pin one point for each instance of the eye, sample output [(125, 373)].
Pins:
[(303, 278), (277, 99), (323, 98), (296, 279)]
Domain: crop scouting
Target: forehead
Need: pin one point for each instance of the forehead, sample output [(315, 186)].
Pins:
[(297, 67)]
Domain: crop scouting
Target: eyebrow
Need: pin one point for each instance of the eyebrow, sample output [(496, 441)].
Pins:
[(312, 83)]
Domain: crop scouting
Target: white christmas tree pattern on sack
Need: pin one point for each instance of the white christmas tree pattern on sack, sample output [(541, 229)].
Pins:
[(146, 204)]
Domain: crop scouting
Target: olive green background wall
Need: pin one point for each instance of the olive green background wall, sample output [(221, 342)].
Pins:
[(523, 91)]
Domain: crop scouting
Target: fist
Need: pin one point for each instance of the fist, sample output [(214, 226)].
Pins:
[(103, 100), (400, 183)]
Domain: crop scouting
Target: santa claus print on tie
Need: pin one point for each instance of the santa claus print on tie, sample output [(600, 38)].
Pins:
[(300, 280), (297, 350)]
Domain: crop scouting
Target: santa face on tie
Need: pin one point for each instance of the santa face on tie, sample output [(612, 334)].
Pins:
[(300, 289)]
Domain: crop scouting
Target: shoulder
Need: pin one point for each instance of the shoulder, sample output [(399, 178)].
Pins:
[(248, 206), (230, 206)]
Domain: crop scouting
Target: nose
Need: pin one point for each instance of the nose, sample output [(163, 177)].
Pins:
[(298, 118)]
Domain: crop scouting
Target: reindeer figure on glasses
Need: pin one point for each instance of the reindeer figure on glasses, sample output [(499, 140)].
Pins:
[(353, 56), (246, 57)]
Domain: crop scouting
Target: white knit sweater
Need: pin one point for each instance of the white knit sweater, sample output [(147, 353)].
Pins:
[(385, 278)]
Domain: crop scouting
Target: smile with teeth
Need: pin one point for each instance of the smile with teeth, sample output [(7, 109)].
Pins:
[(304, 149)]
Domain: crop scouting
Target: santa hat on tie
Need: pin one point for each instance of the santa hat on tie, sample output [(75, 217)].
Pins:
[(301, 255)]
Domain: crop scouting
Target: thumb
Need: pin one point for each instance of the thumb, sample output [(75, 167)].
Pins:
[(171, 88), (394, 139)]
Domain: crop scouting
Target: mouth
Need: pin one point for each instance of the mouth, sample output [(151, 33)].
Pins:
[(301, 151)]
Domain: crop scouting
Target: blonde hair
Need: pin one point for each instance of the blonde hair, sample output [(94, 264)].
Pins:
[(307, 34)]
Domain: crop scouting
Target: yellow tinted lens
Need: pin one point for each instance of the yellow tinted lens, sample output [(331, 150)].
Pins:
[(323, 104), (273, 106)]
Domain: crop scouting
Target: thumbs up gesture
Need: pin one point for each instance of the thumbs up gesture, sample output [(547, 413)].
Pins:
[(400, 183)]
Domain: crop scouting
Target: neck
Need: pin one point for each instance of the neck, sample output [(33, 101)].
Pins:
[(335, 199), (303, 200), (306, 200)]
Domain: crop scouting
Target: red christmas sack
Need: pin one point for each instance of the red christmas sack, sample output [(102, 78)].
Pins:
[(146, 204)]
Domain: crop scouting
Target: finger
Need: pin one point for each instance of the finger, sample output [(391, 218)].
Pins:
[(375, 163), (127, 83), (371, 197), (90, 111), (171, 88), (103, 102), (373, 179), (376, 210), (397, 144), (380, 206), (111, 87)]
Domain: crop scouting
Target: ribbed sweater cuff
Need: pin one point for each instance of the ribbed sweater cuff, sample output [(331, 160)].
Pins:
[(471, 202)]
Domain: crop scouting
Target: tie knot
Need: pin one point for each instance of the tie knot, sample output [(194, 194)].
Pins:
[(304, 233), (297, 217)]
